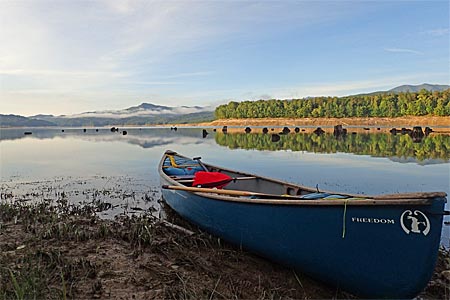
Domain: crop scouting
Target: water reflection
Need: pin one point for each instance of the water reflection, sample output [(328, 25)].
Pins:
[(401, 148), (143, 137), (432, 149)]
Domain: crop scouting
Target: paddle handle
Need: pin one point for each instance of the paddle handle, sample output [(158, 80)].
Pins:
[(208, 190)]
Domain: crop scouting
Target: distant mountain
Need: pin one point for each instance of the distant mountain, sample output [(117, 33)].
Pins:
[(19, 121), (410, 88), (142, 110), (143, 114), (417, 88)]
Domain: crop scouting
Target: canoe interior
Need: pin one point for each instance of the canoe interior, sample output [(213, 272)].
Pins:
[(253, 183)]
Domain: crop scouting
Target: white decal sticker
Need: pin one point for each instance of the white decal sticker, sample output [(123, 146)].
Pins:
[(416, 222)]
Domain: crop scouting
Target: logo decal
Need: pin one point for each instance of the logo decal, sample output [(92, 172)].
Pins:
[(416, 222)]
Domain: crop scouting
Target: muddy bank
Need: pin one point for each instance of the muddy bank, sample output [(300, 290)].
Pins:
[(61, 250)]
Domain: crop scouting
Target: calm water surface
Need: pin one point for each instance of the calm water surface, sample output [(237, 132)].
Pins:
[(122, 169)]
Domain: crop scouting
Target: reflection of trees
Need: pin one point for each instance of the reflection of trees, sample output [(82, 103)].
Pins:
[(382, 145)]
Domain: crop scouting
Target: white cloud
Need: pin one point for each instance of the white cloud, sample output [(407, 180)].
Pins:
[(402, 50), (438, 32)]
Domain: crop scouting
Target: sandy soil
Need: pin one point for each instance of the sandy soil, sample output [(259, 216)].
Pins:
[(390, 122)]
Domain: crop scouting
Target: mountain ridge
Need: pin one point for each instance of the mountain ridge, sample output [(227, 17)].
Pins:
[(416, 88)]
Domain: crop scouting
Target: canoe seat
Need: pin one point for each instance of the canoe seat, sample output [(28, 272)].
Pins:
[(180, 166), (190, 171)]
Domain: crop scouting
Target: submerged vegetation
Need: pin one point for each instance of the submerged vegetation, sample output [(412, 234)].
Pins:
[(379, 145), (372, 105)]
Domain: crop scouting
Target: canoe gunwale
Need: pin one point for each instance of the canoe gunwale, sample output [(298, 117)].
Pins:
[(421, 198), (337, 202)]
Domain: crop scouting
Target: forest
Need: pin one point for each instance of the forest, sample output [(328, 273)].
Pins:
[(422, 103)]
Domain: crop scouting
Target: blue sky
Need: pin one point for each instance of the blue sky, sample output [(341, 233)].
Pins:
[(65, 57)]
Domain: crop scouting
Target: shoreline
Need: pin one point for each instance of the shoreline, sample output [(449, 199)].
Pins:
[(369, 122), (407, 121)]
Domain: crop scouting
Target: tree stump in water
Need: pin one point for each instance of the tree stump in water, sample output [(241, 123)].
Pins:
[(319, 131), (339, 131), (285, 130)]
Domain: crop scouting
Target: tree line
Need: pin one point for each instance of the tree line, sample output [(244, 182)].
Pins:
[(423, 103)]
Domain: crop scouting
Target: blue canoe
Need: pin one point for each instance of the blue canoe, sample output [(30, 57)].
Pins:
[(382, 246)]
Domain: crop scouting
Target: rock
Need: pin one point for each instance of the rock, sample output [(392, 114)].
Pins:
[(446, 275), (275, 138), (405, 130), (416, 134)]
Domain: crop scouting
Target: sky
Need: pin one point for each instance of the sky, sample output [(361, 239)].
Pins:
[(66, 57)]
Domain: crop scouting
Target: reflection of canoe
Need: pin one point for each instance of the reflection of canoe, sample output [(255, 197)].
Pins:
[(379, 246)]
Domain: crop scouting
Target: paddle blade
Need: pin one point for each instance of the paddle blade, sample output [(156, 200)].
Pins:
[(211, 179)]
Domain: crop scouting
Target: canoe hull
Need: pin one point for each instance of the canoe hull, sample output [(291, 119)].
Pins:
[(371, 251)]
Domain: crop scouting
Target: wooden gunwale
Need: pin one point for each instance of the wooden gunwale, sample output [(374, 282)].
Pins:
[(337, 202)]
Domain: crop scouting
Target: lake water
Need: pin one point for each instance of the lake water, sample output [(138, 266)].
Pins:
[(100, 165)]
